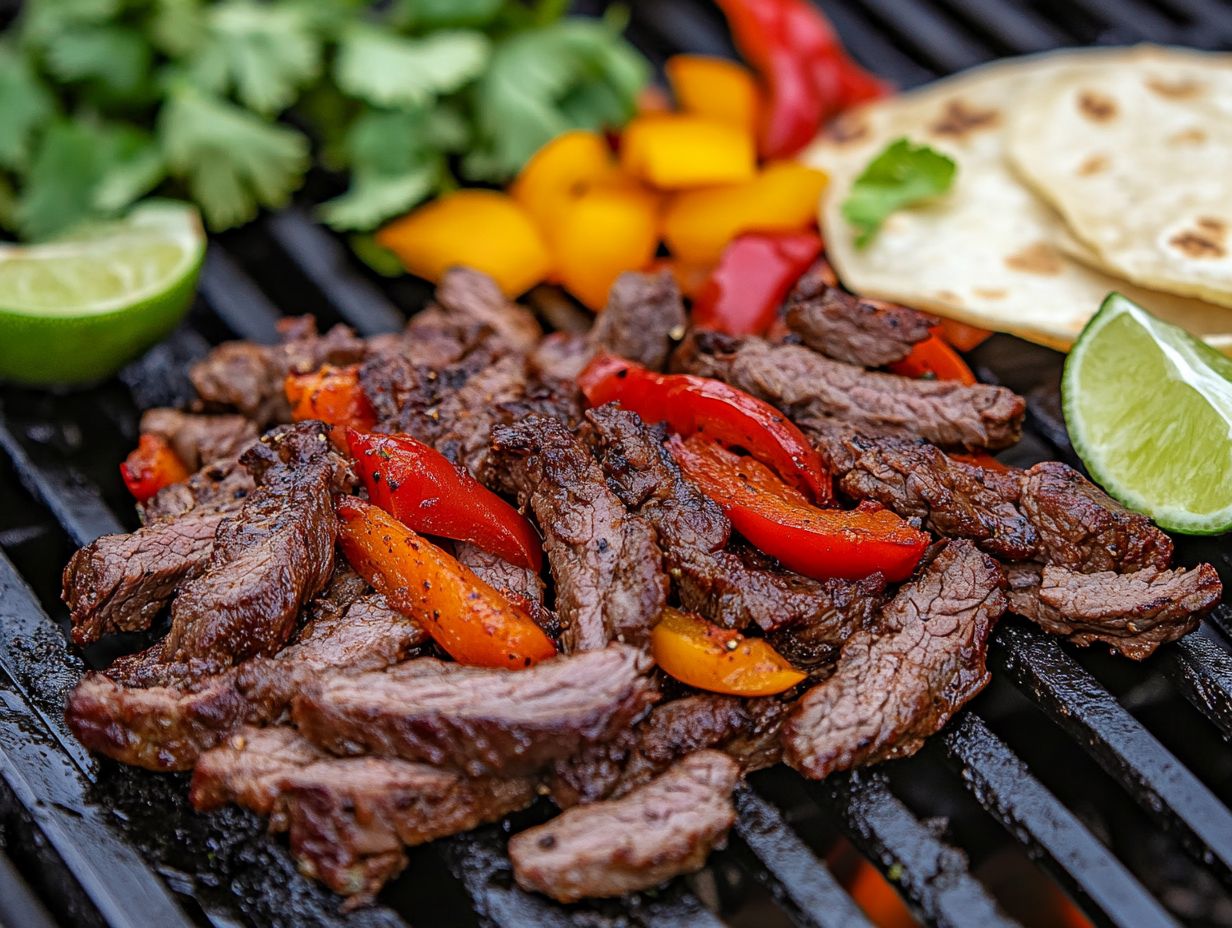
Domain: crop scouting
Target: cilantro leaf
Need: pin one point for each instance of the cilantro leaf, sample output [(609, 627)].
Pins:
[(132, 166), (44, 21), (232, 161), (59, 188), (390, 70), (116, 59), (423, 15), (374, 197), (25, 105), (176, 26), (8, 204), (902, 175)]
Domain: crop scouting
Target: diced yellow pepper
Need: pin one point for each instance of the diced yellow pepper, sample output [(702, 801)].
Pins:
[(600, 234), (676, 151), (561, 170), (715, 87)]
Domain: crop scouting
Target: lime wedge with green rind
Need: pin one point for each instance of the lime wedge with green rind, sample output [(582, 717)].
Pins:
[(77, 308), (1149, 410)]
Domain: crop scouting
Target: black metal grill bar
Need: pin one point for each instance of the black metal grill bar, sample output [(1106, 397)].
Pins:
[(1139, 19), (1128, 752), (935, 37), (1003, 785), (934, 877), (1016, 26), (789, 869), (236, 299), (1202, 670), (18, 904)]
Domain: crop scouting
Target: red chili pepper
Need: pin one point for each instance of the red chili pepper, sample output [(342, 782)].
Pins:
[(935, 360), (422, 488), (690, 404), (151, 466), (754, 275), (809, 76), (818, 543), (332, 395)]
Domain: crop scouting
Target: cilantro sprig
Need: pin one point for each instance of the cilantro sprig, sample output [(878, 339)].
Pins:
[(902, 175), (233, 102)]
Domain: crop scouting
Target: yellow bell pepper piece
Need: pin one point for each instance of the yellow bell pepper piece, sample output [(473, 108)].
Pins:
[(714, 87), (561, 170), (698, 224), (483, 229), (676, 151), (601, 233)]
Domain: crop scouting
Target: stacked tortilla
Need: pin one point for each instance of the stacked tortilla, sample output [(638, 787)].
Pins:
[(1079, 172)]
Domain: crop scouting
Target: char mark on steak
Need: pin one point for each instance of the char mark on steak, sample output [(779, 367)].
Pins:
[(747, 730), (479, 720), (814, 390), (468, 294), (608, 568), (898, 684), (223, 485), (348, 819), (659, 830), (1133, 613), (845, 327), (200, 439)]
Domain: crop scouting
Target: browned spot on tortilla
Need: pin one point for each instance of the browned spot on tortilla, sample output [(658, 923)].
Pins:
[(1199, 244), (949, 296), (959, 119), (1040, 258), (1176, 89), (847, 129), (1187, 136), (997, 294), (1093, 165), (1096, 106), (1216, 227)]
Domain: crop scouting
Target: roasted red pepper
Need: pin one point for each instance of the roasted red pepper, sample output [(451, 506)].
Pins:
[(755, 274), (332, 395), (981, 459), (774, 517), (690, 404), (152, 465), (808, 75), (422, 488), (935, 360)]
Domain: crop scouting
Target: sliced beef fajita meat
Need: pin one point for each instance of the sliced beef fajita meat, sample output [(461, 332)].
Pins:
[(898, 684), (465, 418), (200, 439), (608, 568), (561, 356), (471, 295), (1133, 613), (479, 720), (747, 730), (223, 485), (643, 319), (660, 830), (348, 818), (866, 332), (519, 582), (167, 727), (815, 390), (249, 378), (1082, 528)]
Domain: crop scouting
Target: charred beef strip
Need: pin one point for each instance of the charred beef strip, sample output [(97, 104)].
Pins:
[(898, 684), (521, 583), (747, 730), (479, 720), (222, 485), (348, 818), (660, 830), (471, 295), (1133, 613), (845, 327), (608, 568), (814, 390), (200, 439)]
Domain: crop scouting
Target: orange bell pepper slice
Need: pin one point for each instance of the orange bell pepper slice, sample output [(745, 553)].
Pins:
[(676, 151), (561, 170), (962, 336), (982, 459), (780, 521), (487, 230), (933, 359), (472, 622), (718, 660), (715, 87), (601, 233), (333, 396), (698, 224), (152, 465)]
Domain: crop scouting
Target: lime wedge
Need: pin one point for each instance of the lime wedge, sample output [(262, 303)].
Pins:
[(1149, 410), (76, 308)]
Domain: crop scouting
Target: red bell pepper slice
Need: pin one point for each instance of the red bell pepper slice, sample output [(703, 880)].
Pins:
[(818, 543), (152, 465), (933, 359), (332, 395), (753, 277), (690, 404), (422, 488)]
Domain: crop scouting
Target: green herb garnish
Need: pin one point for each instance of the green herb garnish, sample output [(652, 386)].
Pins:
[(902, 175)]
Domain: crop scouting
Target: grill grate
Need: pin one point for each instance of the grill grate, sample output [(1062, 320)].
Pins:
[(102, 845)]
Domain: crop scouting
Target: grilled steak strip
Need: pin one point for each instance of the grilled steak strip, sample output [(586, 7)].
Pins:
[(660, 830), (348, 818), (747, 730), (197, 439), (471, 295), (814, 390), (222, 485), (1133, 613), (895, 686), (610, 581), (864, 332), (480, 720)]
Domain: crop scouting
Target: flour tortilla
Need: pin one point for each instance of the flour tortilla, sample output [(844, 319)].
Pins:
[(986, 253), (1135, 152)]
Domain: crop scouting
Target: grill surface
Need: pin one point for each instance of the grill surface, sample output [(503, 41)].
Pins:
[(1112, 778)]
